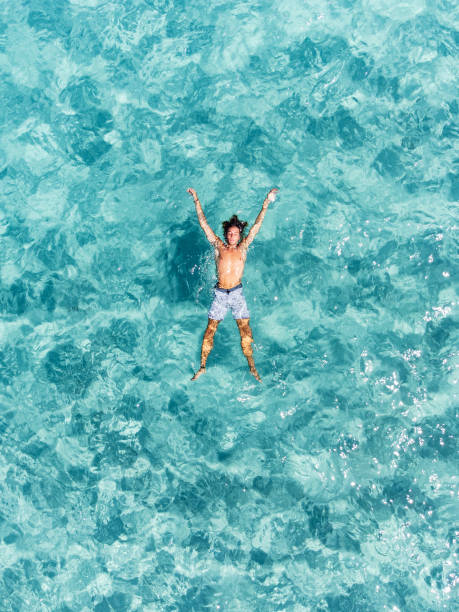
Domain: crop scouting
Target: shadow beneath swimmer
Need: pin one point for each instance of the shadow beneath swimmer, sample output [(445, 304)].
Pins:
[(181, 276)]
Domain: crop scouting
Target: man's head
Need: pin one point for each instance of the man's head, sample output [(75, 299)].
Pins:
[(233, 230)]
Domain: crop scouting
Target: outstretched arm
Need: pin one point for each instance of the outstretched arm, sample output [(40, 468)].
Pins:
[(210, 234), (261, 215)]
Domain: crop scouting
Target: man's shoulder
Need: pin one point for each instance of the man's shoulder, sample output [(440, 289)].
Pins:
[(218, 245)]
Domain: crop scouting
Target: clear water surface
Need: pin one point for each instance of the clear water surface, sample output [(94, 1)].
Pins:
[(331, 486)]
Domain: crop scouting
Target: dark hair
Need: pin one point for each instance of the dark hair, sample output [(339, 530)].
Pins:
[(234, 222)]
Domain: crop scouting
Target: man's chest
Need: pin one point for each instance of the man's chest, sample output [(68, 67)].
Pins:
[(230, 257)]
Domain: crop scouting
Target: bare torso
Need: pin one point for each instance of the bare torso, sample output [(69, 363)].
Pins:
[(230, 256), (230, 263)]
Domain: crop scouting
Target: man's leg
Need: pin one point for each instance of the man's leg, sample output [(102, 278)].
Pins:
[(246, 344), (207, 344)]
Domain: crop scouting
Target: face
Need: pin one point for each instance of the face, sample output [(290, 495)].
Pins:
[(233, 235)]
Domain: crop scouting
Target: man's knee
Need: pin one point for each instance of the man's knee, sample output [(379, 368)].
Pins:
[(246, 335), (208, 340), (207, 343), (246, 344)]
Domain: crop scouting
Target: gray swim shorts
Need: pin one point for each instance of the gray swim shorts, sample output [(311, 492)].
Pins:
[(228, 298)]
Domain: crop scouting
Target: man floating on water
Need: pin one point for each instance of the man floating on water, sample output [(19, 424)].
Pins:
[(230, 259)]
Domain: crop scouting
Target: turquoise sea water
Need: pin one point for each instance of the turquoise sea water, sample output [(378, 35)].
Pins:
[(331, 486)]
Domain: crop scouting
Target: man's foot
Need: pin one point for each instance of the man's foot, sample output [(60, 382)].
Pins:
[(254, 372), (201, 370)]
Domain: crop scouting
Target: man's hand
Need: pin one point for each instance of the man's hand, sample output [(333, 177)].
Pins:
[(272, 195), (192, 192)]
